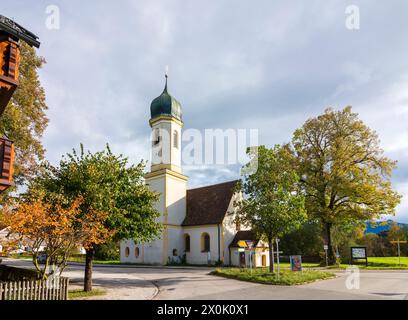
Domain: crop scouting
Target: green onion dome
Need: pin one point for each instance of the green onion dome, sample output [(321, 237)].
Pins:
[(165, 105)]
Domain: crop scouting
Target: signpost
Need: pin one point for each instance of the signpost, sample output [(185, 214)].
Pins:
[(277, 255), (398, 242), (357, 253), (326, 247), (250, 245)]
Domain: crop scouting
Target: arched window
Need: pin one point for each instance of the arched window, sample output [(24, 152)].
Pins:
[(137, 252), (127, 251), (205, 242), (187, 242), (156, 137), (174, 252), (175, 139)]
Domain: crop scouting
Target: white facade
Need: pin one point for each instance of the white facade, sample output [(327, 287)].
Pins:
[(208, 242)]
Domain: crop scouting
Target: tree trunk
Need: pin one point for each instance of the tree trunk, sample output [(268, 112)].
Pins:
[(271, 257), (90, 253), (331, 257)]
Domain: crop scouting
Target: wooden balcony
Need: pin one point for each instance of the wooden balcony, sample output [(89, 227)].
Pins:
[(6, 163), (9, 63)]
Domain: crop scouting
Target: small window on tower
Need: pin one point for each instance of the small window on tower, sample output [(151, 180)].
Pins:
[(175, 139), (156, 137)]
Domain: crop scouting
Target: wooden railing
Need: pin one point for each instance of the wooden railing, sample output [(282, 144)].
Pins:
[(50, 289)]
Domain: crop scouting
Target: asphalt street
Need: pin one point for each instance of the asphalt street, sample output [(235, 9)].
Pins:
[(135, 282)]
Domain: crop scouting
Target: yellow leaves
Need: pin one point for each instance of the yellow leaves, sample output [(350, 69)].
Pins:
[(56, 224)]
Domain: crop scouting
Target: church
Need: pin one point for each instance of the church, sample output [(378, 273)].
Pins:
[(199, 225)]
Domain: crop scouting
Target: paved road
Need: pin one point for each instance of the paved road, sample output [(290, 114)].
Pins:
[(124, 282)]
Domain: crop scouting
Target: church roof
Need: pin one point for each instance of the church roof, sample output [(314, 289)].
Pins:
[(243, 235), (165, 105), (208, 205)]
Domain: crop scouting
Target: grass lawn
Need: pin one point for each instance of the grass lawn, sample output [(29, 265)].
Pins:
[(78, 294), (81, 259), (262, 275), (381, 263), (21, 256)]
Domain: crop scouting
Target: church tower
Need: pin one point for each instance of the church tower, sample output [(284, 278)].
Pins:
[(166, 178)]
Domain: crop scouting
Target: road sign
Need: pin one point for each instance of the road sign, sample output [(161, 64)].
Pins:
[(358, 253), (241, 249), (326, 247), (250, 243)]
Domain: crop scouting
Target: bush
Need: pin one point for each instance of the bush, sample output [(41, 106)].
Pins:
[(108, 251)]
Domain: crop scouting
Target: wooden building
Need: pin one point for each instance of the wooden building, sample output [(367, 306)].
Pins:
[(10, 35)]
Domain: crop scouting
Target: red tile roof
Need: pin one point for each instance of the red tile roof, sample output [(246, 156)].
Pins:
[(208, 205)]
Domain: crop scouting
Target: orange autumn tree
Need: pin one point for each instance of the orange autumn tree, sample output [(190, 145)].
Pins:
[(55, 229)]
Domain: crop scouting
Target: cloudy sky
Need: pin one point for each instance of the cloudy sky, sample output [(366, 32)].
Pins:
[(267, 65)]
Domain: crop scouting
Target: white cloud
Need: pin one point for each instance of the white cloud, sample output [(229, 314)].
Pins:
[(268, 66)]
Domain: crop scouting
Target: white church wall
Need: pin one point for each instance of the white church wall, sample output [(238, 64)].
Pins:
[(157, 184), (175, 154), (175, 242), (176, 200), (229, 227), (153, 252), (196, 256), (150, 253)]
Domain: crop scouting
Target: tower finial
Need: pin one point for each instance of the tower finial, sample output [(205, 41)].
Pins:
[(166, 75)]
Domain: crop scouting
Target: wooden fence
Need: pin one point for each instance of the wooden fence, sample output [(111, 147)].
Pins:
[(50, 289)]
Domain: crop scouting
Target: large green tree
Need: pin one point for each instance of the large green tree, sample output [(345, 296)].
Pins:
[(108, 183), (272, 204), (344, 173), (24, 120)]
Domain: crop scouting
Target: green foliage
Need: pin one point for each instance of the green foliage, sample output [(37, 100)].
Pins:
[(376, 245), (343, 170), (107, 183), (286, 277), (381, 263), (108, 251), (78, 294), (272, 205), (305, 241)]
